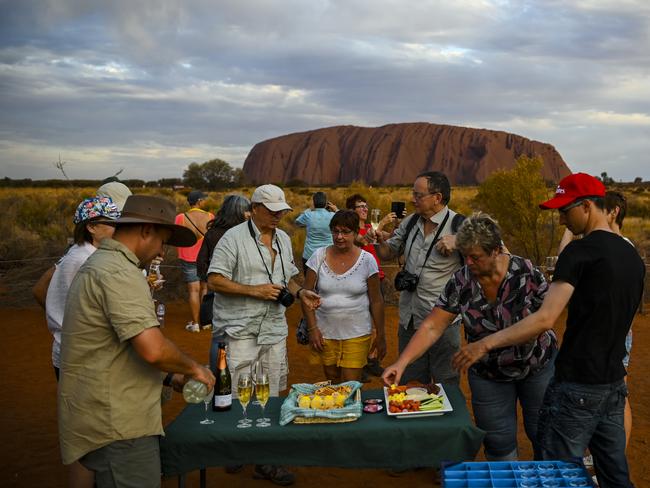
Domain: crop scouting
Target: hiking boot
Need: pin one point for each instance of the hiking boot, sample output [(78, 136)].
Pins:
[(192, 327), (275, 474)]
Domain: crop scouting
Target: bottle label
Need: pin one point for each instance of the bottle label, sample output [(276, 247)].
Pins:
[(222, 400)]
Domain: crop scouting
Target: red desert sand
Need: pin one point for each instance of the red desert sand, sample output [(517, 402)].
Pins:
[(30, 452)]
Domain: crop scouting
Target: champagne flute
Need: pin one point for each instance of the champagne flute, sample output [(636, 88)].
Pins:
[(207, 399), (262, 392), (244, 391), (374, 218), (255, 367)]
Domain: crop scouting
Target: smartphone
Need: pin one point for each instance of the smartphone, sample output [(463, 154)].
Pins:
[(398, 208)]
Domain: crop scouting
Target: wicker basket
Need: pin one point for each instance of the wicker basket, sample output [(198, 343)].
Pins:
[(327, 420)]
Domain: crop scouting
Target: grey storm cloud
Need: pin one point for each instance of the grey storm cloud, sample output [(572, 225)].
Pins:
[(154, 85)]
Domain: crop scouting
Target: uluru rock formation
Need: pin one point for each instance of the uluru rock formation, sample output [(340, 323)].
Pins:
[(394, 154)]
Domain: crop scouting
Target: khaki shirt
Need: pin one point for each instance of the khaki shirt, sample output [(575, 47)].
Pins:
[(434, 274), (237, 257), (107, 392)]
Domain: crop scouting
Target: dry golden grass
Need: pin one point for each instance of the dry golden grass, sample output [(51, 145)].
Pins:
[(37, 222)]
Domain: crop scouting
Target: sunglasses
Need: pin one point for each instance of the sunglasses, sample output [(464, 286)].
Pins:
[(363, 205), (564, 210)]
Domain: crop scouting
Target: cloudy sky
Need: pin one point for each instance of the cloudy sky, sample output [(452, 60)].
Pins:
[(152, 85)]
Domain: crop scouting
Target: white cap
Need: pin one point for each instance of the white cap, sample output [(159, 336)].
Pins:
[(271, 196), (118, 192)]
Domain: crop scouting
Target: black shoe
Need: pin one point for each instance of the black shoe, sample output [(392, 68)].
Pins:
[(275, 474), (233, 468)]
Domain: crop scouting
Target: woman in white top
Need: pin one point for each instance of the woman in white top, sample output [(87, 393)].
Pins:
[(91, 227), (347, 280)]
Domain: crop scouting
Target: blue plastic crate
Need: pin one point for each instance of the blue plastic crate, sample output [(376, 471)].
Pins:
[(520, 474)]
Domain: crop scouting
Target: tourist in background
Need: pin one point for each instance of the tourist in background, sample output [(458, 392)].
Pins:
[(347, 280), (316, 221), (195, 219), (365, 238), (234, 210)]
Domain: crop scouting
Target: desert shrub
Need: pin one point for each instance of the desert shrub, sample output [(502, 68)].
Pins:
[(512, 197)]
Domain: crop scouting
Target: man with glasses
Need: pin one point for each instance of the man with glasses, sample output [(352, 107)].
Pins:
[(427, 245), (601, 279), (251, 272)]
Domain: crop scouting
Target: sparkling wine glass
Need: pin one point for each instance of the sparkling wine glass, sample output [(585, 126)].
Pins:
[(262, 392), (549, 264), (255, 367), (244, 391), (207, 399), (374, 218)]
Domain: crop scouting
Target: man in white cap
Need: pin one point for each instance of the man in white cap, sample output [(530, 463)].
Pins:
[(252, 272)]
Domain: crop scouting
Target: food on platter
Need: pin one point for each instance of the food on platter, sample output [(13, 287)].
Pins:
[(323, 402), (331, 389), (413, 399)]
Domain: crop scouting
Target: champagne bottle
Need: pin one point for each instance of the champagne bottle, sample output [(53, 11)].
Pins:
[(223, 387)]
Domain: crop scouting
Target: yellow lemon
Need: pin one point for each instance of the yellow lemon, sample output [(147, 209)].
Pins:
[(329, 402), (304, 401), (340, 401), (317, 402)]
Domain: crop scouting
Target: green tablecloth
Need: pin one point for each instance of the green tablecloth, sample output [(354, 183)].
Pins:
[(373, 441)]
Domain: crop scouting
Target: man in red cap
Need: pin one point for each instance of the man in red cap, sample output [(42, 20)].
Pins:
[(601, 279)]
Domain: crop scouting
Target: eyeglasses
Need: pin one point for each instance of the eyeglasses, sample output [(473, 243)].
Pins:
[(362, 205), (564, 210), (419, 196), (344, 233)]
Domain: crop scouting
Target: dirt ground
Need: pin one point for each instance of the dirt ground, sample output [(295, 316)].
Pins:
[(29, 454)]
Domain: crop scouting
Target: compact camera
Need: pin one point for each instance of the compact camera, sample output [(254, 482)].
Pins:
[(406, 281), (285, 298)]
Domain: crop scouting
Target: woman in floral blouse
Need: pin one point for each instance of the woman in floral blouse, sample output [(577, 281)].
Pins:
[(494, 290)]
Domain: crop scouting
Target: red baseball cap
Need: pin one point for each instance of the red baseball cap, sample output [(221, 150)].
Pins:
[(572, 187)]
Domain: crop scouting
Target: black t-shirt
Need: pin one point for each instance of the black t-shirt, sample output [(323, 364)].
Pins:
[(607, 274)]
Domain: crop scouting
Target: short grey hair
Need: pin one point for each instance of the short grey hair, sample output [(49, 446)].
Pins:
[(481, 230)]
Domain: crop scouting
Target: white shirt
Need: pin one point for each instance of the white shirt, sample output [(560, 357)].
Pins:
[(245, 259), (57, 292), (344, 312)]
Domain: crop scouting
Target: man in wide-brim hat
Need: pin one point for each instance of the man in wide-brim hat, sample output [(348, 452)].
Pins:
[(113, 352)]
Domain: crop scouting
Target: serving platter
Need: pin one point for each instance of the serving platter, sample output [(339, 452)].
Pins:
[(446, 407)]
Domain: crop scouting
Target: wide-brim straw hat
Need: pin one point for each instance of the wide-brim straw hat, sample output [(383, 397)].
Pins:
[(145, 209)]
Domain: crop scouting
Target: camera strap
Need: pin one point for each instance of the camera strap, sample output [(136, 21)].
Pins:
[(436, 238), (252, 232)]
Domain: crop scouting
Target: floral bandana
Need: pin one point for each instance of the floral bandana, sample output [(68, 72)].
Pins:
[(94, 207)]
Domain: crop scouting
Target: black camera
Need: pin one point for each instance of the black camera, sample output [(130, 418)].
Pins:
[(406, 281), (285, 298)]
